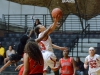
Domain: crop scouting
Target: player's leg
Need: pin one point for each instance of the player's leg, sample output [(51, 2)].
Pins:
[(6, 65), (45, 68), (52, 61), (45, 57), (56, 72), (13, 58), (5, 60)]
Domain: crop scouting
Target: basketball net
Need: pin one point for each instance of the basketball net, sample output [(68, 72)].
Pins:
[(68, 1)]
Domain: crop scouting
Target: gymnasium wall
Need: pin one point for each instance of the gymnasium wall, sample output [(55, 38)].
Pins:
[(7, 7)]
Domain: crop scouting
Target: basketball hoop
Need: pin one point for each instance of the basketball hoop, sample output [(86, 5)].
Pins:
[(68, 1)]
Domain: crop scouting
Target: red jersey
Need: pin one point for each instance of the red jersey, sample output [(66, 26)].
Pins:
[(34, 67), (66, 66)]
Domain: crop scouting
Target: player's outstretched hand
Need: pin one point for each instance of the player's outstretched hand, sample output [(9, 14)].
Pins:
[(18, 67), (57, 18), (85, 66)]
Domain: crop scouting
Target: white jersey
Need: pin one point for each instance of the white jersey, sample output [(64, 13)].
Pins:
[(47, 44), (94, 63), (48, 54)]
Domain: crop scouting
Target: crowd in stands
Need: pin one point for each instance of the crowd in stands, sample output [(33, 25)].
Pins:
[(8, 53), (4, 54)]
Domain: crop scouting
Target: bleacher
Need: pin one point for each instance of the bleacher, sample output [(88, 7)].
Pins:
[(64, 40), (89, 40), (58, 38), (10, 39), (10, 71), (61, 39)]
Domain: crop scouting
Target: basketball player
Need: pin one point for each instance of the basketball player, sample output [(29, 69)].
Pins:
[(47, 48), (93, 61), (67, 64), (33, 59), (20, 50)]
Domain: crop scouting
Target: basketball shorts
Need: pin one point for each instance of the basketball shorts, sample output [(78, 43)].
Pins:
[(49, 60), (95, 73)]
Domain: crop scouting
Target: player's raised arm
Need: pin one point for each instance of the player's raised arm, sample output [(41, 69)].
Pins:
[(58, 47), (49, 30), (6, 65)]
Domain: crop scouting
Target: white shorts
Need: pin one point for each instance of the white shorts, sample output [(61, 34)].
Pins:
[(49, 60), (95, 73)]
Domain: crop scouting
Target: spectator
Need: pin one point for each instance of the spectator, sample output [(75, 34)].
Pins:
[(8, 53), (2, 53), (37, 22), (79, 66)]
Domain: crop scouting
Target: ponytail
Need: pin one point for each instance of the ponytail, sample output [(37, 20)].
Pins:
[(36, 30)]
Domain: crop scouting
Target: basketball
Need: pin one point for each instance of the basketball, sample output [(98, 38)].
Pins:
[(56, 11)]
